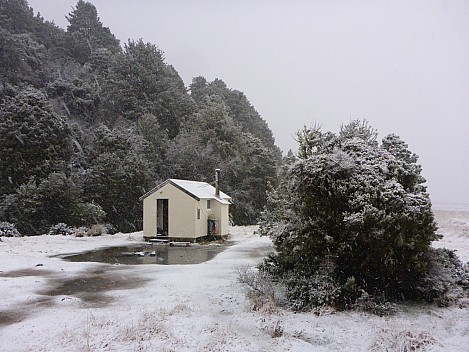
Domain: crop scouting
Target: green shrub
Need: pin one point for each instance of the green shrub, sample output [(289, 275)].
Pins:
[(446, 279), (8, 230), (110, 229), (86, 214), (352, 220), (61, 229)]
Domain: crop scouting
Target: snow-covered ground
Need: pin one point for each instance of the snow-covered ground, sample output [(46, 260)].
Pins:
[(193, 307)]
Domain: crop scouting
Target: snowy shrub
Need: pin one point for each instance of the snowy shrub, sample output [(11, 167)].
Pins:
[(81, 231), (261, 290), (317, 289), (8, 230), (350, 217), (97, 230), (110, 229), (37, 205), (446, 280), (60, 229), (375, 305), (403, 341), (88, 213), (274, 329), (101, 229)]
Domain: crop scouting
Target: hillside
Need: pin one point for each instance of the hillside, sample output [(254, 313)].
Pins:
[(88, 124)]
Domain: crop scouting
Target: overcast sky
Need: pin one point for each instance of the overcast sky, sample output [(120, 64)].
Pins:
[(401, 65)]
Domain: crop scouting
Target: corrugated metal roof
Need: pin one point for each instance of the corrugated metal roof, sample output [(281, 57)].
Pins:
[(198, 190), (201, 190)]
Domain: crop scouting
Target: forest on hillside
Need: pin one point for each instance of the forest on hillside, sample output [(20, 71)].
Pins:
[(89, 124)]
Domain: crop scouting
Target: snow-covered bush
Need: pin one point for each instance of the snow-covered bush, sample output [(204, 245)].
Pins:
[(81, 231), (260, 289), (37, 205), (88, 213), (60, 229), (110, 229), (101, 229), (446, 279), (97, 230), (392, 339), (8, 230), (377, 305), (351, 217)]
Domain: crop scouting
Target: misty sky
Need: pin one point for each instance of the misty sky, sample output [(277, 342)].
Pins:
[(401, 65)]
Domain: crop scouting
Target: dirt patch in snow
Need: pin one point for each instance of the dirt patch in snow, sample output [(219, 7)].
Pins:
[(91, 287), (8, 317), (25, 272), (88, 289)]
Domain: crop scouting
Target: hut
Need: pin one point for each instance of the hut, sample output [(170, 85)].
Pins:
[(185, 210)]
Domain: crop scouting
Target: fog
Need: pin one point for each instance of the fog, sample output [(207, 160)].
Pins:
[(401, 65)]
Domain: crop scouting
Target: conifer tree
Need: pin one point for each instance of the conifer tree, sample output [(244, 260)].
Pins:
[(352, 214), (34, 140), (87, 33)]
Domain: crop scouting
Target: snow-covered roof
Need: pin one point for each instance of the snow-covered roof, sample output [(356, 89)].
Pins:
[(197, 190)]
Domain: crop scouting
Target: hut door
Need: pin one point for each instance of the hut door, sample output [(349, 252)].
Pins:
[(162, 216)]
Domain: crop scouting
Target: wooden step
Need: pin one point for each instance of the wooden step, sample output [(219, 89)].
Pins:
[(158, 240), (179, 244)]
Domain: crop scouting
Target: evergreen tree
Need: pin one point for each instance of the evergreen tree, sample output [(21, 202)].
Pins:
[(116, 182), (22, 59), (87, 34), (241, 110), (16, 16), (354, 212), (119, 172), (35, 206), (29, 45), (34, 140), (212, 140), (140, 82), (209, 140), (98, 111), (78, 96), (248, 177)]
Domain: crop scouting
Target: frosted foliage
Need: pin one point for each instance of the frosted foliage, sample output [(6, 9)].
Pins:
[(60, 229), (348, 198), (8, 230)]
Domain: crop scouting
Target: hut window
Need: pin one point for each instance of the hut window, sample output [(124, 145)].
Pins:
[(208, 204), (198, 214)]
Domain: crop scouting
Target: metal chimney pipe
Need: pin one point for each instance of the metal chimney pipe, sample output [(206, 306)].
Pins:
[(217, 182)]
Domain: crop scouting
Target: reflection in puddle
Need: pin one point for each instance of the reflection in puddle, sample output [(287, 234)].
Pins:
[(150, 254)]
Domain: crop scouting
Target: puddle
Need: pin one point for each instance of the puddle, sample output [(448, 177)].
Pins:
[(87, 289), (91, 287), (25, 272), (150, 254)]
